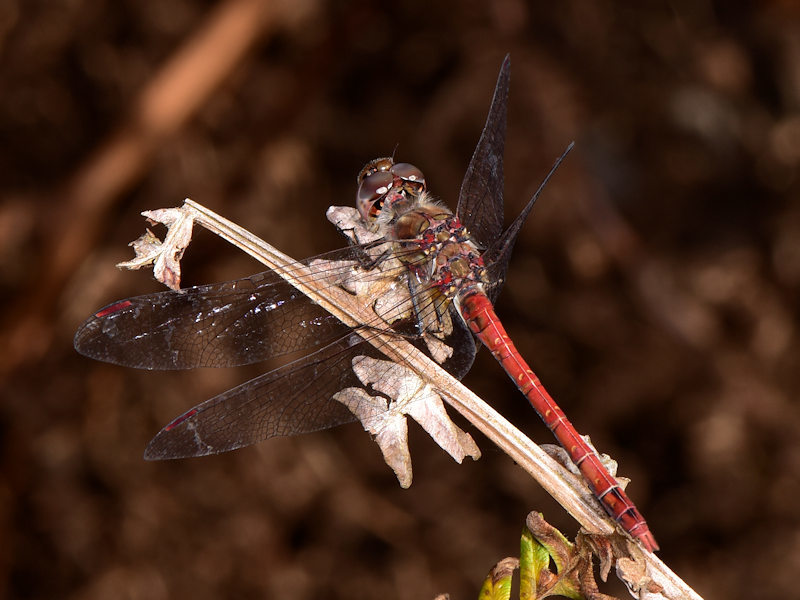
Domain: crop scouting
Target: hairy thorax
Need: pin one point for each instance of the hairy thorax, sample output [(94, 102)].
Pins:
[(438, 249)]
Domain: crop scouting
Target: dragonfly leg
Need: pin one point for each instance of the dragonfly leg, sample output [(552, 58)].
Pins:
[(368, 263), (365, 261), (412, 289), (424, 324)]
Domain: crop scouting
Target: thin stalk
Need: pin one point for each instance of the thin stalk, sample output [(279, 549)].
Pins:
[(553, 477)]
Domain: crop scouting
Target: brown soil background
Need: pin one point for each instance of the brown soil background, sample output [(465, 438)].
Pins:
[(655, 288)]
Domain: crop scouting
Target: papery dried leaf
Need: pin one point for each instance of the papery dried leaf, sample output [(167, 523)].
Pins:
[(391, 303), (603, 548), (385, 416), (404, 392), (419, 400), (634, 574), (439, 350), (167, 268), (348, 220), (165, 256), (618, 550), (388, 426), (147, 249)]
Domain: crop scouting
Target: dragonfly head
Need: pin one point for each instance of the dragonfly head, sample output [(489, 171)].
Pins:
[(382, 179)]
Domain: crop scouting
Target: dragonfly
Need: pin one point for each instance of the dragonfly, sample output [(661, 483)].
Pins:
[(446, 270)]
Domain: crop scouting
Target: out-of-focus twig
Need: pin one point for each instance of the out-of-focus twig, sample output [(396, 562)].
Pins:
[(168, 101)]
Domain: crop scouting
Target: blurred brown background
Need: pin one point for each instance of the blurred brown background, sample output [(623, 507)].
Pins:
[(655, 288)]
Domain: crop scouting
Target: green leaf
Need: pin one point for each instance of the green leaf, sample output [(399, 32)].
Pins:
[(497, 585)]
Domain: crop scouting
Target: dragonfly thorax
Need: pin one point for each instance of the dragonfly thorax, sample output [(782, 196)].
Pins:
[(437, 248), (428, 237)]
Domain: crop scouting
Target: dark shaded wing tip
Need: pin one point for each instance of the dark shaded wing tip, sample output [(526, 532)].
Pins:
[(77, 340), (84, 338), (152, 455), (158, 447), (163, 447), (178, 439), (156, 452), (505, 70)]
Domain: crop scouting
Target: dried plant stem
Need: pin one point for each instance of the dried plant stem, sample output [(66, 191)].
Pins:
[(554, 478)]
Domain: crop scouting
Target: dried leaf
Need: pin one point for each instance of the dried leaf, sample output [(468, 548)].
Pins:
[(147, 249), (620, 551), (574, 576), (497, 585), (165, 256), (348, 220), (403, 393), (390, 429)]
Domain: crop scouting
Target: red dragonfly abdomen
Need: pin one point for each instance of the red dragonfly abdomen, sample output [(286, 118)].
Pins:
[(479, 314)]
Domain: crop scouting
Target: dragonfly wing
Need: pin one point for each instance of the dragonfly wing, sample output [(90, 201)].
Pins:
[(218, 325), (480, 201), (464, 346), (498, 254), (293, 399)]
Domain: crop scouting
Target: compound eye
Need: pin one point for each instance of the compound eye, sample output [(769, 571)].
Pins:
[(374, 166), (408, 172), (369, 198)]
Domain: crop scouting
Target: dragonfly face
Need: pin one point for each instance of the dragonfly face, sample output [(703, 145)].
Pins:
[(382, 180)]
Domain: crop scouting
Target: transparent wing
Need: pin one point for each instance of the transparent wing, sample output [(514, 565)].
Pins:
[(296, 398), (498, 254), (480, 201), (293, 399), (219, 325), (222, 324)]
